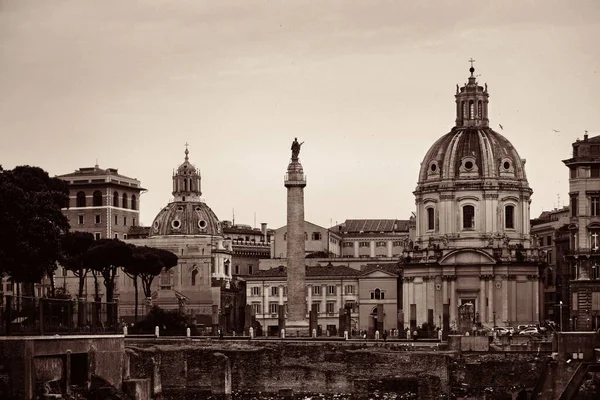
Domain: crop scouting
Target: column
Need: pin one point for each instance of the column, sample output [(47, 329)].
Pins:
[(445, 299), (536, 299), (372, 249), (338, 299), (390, 252), (356, 249), (309, 301), (491, 300), (324, 298), (420, 300), (405, 301), (411, 298), (453, 318), (482, 297), (513, 299), (266, 300), (504, 299), (280, 290)]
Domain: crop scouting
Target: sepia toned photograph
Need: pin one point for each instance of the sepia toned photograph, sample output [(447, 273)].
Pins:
[(299, 200)]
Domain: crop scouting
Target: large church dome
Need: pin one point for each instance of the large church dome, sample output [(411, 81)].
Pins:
[(472, 189), (187, 214)]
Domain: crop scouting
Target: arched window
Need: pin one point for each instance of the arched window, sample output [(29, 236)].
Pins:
[(115, 199), (430, 219), (377, 294), (133, 202), (185, 189), (480, 109), (124, 200), (80, 199), (97, 199), (194, 273), (509, 217), (464, 109), (471, 109), (468, 217)]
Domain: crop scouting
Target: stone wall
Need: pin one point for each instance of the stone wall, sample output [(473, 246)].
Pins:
[(303, 367)]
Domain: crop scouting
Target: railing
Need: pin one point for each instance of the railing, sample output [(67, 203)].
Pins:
[(21, 315)]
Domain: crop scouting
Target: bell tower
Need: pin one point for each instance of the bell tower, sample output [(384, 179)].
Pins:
[(472, 103)]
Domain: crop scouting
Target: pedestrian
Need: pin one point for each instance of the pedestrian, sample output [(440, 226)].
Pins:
[(385, 334)]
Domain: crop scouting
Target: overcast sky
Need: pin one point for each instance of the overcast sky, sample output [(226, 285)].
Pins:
[(367, 85)]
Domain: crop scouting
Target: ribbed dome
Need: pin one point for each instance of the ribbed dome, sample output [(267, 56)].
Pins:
[(186, 218), (471, 153)]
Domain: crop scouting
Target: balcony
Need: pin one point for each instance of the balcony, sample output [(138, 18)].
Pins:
[(510, 254)]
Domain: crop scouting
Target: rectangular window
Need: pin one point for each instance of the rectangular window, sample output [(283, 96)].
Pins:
[(81, 220), (548, 240), (351, 305), (349, 289), (256, 306), (331, 290), (348, 244), (468, 217), (285, 291), (97, 218), (380, 244), (595, 301), (330, 307), (594, 150), (574, 302), (250, 269), (97, 236), (317, 290), (165, 280), (116, 235), (316, 306), (396, 243), (116, 219), (316, 236), (274, 291), (595, 171), (509, 217), (255, 291), (595, 209), (124, 236), (573, 172), (363, 244), (273, 308), (125, 221), (574, 205)]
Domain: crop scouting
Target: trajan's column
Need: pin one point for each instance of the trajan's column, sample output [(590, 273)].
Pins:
[(295, 181)]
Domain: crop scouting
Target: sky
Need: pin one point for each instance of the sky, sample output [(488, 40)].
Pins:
[(367, 85)]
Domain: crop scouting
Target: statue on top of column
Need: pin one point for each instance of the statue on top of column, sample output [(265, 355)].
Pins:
[(296, 148)]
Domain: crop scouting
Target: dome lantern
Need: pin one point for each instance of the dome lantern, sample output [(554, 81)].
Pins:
[(472, 103), (186, 181)]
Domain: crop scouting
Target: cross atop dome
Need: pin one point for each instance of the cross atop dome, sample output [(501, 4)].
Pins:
[(472, 69)]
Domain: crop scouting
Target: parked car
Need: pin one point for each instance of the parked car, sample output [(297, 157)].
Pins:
[(522, 327), (530, 331), (502, 330)]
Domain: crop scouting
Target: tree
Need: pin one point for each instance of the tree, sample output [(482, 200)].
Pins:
[(132, 270), (32, 224), (147, 263), (106, 256), (74, 247)]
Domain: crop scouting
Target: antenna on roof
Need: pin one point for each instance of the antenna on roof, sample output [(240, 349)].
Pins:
[(233, 219), (254, 219)]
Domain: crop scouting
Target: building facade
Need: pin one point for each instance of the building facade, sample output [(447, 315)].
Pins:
[(473, 260), (329, 289), (584, 228), (249, 245), (316, 240)]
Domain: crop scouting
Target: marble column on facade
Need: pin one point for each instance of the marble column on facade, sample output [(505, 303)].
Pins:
[(372, 249), (420, 300), (309, 295), (536, 299), (491, 300), (338, 299), (504, 299), (411, 297), (324, 298), (453, 317), (430, 303), (356, 249), (266, 301), (482, 297), (513, 299), (280, 290), (390, 251)]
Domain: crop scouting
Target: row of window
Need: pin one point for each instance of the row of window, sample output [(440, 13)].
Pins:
[(468, 217), (468, 111), (329, 307), (316, 290), (97, 200), (594, 172), (395, 243), (594, 205), (314, 236), (98, 220)]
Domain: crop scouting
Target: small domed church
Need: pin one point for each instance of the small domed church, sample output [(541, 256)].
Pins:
[(189, 228), (473, 261)]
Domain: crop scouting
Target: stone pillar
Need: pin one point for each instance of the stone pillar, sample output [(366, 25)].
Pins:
[(512, 311), (372, 249), (280, 290), (504, 299), (390, 250), (338, 296), (309, 301), (482, 297), (295, 183), (355, 249), (453, 316), (491, 289), (324, 298), (266, 299)]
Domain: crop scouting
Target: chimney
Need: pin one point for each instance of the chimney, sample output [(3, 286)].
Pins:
[(585, 136), (263, 229)]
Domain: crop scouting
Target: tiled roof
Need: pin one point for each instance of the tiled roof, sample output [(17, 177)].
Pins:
[(389, 268), (373, 225), (317, 271)]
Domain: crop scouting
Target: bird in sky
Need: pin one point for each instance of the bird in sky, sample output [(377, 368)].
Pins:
[(556, 131), (501, 127)]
